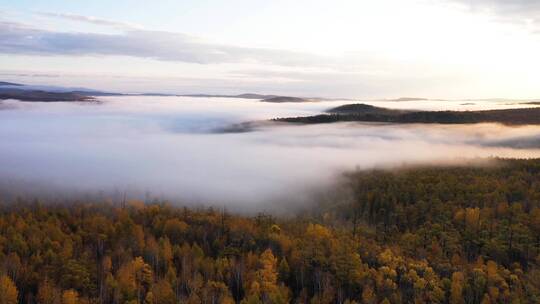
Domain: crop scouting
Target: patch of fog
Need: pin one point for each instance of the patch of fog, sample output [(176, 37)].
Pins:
[(453, 105), (161, 145)]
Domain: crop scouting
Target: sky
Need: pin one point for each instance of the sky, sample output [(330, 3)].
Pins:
[(353, 49)]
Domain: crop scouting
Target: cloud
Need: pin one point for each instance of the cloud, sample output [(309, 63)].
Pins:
[(373, 71), (514, 7), (509, 6), (157, 144), (89, 19), (41, 75), (523, 12), (16, 38)]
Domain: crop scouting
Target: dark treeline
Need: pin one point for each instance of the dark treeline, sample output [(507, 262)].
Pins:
[(417, 235), (35, 95), (366, 113)]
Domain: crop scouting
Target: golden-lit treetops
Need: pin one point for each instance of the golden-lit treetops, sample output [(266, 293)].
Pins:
[(428, 235), (8, 291)]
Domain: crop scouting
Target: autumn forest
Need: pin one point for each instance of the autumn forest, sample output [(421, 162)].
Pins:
[(443, 234)]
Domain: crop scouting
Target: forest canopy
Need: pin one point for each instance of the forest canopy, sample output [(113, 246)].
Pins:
[(368, 113), (450, 234)]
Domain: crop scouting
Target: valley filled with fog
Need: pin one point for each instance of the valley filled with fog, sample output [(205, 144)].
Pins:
[(167, 147)]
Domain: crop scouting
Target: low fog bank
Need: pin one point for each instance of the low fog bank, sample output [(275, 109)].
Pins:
[(161, 147)]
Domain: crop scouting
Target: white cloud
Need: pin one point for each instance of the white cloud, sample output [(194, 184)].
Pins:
[(525, 7), (16, 38), (89, 19), (522, 12)]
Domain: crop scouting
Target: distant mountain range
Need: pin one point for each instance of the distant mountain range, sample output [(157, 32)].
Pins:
[(245, 95), (10, 90), (409, 99), (281, 99), (263, 98), (26, 95), (4, 83)]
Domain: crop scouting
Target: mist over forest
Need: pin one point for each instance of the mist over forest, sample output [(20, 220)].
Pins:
[(149, 147)]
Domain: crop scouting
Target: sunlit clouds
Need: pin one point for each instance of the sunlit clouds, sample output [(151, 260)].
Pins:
[(438, 49)]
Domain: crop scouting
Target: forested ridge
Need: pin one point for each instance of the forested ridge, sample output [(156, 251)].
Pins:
[(367, 113), (445, 234)]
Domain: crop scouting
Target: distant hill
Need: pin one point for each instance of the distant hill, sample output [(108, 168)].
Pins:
[(94, 93), (245, 95), (192, 95), (361, 108), (10, 90), (4, 83), (264, 98), (255, 96), (408, 99), (281, 99), (367, 113), (25, 95)]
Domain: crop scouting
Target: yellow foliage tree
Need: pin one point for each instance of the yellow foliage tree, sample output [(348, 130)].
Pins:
[(368, 296), (472, 218), (163, 293), (267, 274), (8, 291), (48, 293), (456, 289), (70, 297)]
